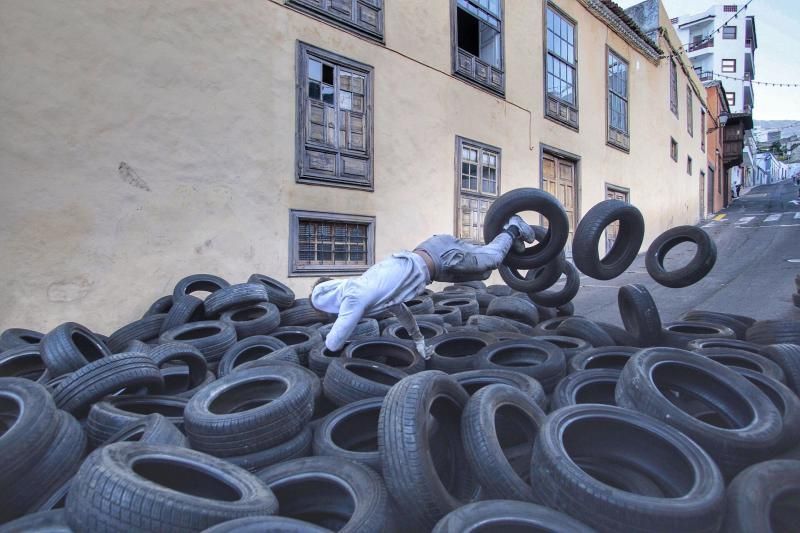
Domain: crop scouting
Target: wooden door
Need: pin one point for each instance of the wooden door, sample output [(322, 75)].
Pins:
[(614, 193), (558, 178)]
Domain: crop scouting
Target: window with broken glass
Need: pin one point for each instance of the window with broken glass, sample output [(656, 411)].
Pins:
[(561, 69), (478, 176), (330, 243), (618, 134), (335, 120), (364, 17), (478, 42)]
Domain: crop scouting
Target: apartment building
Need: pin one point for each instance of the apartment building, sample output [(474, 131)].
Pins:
[(144, 141), (769, 169)]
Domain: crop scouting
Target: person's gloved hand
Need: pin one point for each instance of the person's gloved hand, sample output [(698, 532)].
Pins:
[(525, 231), (422, 349)]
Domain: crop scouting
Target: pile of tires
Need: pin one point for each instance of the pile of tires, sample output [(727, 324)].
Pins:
[(221, 409), (796, 295)]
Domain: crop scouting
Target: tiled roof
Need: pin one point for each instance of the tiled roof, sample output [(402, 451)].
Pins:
[(622, 24)]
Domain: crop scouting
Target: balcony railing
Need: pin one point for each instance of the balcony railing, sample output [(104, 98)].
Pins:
[(705, 76), (705, 43)]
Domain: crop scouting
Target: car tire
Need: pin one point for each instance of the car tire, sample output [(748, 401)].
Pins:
[(539, 360), (70, 346), (398, 354), (349, 380), (258, 319), (351, 433), (496, 515), (639, 314), (701, 264), (581, 328), (279, 294), (515, 309), (585, 386), (457, 351), (592, 228), (559, 297), (763, 498), (114, 413)]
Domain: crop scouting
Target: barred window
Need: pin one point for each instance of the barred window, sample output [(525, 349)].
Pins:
[(618, 134), (561, 69), (328, 242)]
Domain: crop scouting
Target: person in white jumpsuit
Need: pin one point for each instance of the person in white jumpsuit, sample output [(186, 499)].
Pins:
[(404, 275)]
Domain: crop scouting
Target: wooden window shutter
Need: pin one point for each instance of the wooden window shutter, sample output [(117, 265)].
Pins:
[(364, 16)]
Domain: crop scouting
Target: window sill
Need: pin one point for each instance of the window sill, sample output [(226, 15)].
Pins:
[(330, 182), (564, 123), (618, 147), (500, 93), (322, 270)]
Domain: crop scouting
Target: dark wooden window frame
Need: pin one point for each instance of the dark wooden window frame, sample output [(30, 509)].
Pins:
[(296, 270), (689, 111), (673, 87), (728, 69), (615, 138), (726, 32), (731, 98), (689, 165), (673, 149), (460, 142), (337, 178), (339, 18), (703, 131), (472, 69), (554, 107)]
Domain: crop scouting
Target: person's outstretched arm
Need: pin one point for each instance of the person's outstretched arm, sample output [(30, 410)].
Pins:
[(351, 311), (406, 318)]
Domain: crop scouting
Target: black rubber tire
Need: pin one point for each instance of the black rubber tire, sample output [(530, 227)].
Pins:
[(199, 283), (184, 309), (491, 324), (24, 362), (639, 314), (392, 352), (180, 352), (568, 309), (564, 295), (468, 305), (619, 335), (581, 328), (496, 418), (754, 423), (19, 337), (515, 309), (592, 228), (484, 299), (150, 487), (608, 357), (421, 305), (252, 349), (547, 313), (138, 346), (741, 359), (477, 285), (430, 318), (764, 497), (279, 294), (499, 515), (259, 524), (160, 306), (85, 386), (785, 400), (422, 454), (328, 492), (536, 279), (294, 448), (571, 346), (723, 319), (303, 339), (54, 521), (796, 299), (450, 315), (585, 386), (349, 380), (786, 356), (351, 433), (529, 199), (219, 420), (396, 331), (316, 383), (114, 413), (548, 327), (774, 332), (320, 357), (734, 344), (540, 360), (302, 314), (457, 351), (680, 334), (30, 426), (626, 447), (212, 337), (474, 380), (70, 346), (499, 290), (145, 330), (53, 468), (366, 327), (239, 295), (700, 265), (150, 429), (177, 379)]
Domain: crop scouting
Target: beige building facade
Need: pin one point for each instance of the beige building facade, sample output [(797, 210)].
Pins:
[(144, 141)]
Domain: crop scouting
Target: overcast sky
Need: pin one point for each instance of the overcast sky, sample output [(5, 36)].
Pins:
[(777, 58)]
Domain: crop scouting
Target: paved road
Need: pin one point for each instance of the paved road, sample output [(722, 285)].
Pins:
[(756, 238)]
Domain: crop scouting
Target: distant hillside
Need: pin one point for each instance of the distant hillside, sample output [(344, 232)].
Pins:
[(787, 127)]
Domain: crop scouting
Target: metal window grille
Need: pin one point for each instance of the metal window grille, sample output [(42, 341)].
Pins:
[(331, 243)]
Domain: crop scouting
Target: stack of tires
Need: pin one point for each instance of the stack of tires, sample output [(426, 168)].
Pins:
[(221, 409), (796, 295)]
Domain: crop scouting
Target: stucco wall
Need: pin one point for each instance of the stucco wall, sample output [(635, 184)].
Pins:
[(144, 141)]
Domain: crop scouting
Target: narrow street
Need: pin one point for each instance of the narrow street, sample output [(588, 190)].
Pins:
[(758, 247)]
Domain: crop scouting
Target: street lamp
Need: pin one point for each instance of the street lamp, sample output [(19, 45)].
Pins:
[(722, 120)]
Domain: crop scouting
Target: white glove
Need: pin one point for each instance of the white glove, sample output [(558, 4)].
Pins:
[(525, 231), (424, 351)]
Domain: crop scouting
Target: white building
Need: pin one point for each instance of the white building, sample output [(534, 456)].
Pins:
[(769, 169), (723, 49)]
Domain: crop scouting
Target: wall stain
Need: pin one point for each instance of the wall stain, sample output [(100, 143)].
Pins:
[(199, 249), (69, 290), (130, 177)]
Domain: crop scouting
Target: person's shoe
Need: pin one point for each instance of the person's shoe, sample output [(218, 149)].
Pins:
[(525, 231)]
